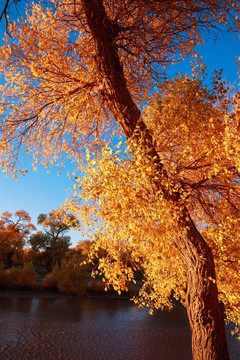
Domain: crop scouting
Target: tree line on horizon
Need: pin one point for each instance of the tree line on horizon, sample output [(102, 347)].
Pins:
[(20, 241), (68, 269)]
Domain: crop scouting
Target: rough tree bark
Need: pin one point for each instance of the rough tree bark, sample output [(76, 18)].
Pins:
[(204, 311)]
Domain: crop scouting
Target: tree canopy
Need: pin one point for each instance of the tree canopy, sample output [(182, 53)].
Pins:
[(56, 98), (204, 163)]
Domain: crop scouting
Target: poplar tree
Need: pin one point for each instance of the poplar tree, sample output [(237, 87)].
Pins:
[(77, 73)]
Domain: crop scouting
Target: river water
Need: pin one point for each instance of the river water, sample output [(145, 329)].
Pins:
[(70, 328)]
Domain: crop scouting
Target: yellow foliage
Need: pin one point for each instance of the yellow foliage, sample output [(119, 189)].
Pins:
[(65, 82), (53, 90), (120, 197), (194, 129)]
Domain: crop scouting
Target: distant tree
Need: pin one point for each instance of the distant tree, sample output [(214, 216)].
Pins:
[(13, 233), (56, 224), (84, 247), (80, 251), (53, 241)]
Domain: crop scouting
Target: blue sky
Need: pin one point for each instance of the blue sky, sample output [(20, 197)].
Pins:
[(38, 192)]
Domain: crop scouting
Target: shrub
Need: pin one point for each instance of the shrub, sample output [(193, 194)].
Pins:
[(51, 279), (72, 277), (97, 286), (69, 279), (27, 276), (1, 272), (16, 277), (9, 278)]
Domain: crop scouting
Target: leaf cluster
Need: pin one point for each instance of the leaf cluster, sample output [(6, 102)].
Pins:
[(196, 135)]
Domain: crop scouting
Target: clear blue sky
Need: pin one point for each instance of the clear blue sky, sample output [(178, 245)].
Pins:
[(38, 192)]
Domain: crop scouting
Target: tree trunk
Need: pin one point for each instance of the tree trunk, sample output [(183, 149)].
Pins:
[(205, 314), (204, 311)]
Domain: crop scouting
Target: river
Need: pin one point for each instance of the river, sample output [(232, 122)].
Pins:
[(69, 328)]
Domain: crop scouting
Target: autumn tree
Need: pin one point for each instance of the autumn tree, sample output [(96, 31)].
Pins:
[(81, 250), (53, 241), (77, 73), (13, 234), (6, 8)]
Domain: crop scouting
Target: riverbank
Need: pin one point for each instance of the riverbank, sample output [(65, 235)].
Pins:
[(50, 293)]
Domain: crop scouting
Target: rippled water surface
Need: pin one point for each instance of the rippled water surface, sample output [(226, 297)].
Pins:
[(49, 328)]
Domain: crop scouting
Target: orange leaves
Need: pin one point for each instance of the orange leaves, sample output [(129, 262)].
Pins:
[(68, 73), (195, 137), (51, 92), (194, 131), (115, 199), (55, 96)]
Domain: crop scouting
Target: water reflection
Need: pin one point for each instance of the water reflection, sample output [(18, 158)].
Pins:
[(39, 328)]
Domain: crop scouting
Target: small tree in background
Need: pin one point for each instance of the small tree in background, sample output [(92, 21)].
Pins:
[(53, 241), (14, 230)]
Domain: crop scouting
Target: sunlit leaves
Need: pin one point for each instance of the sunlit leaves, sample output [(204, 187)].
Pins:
[(55, 100), (115, 195), (68, 70), (195, 133), (52, 98)]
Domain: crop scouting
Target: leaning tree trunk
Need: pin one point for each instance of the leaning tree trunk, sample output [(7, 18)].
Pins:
[(204, 311)]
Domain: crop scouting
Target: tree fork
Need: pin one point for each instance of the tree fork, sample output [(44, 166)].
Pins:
[(204, 311)]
